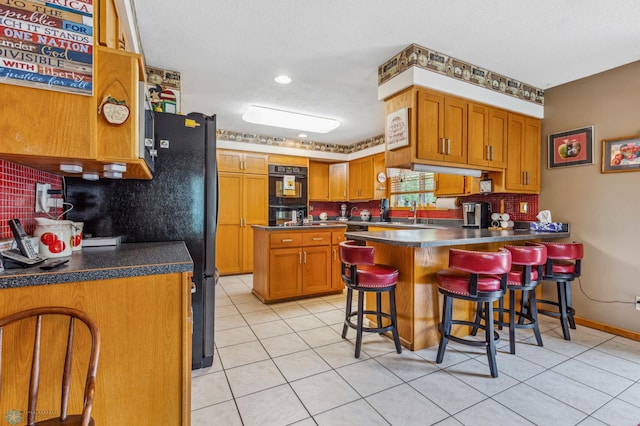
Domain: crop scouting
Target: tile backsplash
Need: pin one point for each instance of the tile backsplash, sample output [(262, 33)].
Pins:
[(511, 206), (18, 195)]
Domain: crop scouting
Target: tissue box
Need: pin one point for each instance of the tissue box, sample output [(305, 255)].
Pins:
[(548, 227)]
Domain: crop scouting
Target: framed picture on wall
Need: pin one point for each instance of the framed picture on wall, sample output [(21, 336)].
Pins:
[(571, 148), (621, 154)]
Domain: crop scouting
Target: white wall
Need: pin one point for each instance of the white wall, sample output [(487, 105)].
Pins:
[(603, 209)]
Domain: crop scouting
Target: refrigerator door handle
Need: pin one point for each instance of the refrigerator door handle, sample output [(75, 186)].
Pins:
[(193, 287)]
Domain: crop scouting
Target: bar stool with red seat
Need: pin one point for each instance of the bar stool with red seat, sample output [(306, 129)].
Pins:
[(360, 273), (525, 275), (475, 276), (563, 266)]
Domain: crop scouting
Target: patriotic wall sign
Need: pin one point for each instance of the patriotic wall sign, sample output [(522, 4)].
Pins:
[(47, 44)]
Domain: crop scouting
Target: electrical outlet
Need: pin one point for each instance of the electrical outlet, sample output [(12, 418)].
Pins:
[(638, 303), (524, 207), (42, 196)]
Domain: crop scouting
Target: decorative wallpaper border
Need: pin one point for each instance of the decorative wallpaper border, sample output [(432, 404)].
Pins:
[(299, 143), (422, 57)]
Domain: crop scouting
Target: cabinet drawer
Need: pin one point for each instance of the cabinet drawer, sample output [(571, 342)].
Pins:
[(316, 238), (286, 239), (337, 237)]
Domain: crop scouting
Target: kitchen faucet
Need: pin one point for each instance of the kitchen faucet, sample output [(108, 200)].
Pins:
[(352, 209), (414, 209)]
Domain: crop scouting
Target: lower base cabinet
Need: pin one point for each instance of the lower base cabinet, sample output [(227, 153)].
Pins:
[(144, 370), (293, 264)]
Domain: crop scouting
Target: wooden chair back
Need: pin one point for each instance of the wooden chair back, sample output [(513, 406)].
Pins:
[(89, 390)]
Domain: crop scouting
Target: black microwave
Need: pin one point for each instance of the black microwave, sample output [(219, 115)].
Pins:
[(146, 142)]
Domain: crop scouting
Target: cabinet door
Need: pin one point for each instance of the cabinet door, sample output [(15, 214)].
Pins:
[(316, 269), (450, 185), (285, 273), (523, 154), (229, 237), (229, 161), (430, 143), (514, 174), (361, 179), (318, 181), (338, 181), (498, 123), (118, 77), (255, 163), (255, 204), (455, 130), (477, 135), (380, 188), (336, 276), (531, 154)]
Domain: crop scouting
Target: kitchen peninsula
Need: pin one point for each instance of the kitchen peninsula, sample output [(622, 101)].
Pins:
[(140, 297), (419, 254)]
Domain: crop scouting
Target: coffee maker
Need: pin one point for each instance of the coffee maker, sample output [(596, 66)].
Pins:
[(384, 210), (476, 215)]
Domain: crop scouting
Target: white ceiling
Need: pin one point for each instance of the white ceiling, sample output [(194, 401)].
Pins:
[(229, 51)]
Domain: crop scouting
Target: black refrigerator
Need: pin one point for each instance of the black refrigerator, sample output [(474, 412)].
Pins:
[(180, 203)]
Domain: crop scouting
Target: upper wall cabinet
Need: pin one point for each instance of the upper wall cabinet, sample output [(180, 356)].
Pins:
[(44, 129), (242, 162), (338, 181), (448, 131), (361, 178), (487, 136), (441, 128), (318, 181), (523, 155)]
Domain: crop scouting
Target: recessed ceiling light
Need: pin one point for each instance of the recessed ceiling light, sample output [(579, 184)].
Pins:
[(302, 135), (289, 120), (283, 79)]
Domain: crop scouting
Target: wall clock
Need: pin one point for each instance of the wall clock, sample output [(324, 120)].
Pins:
[(382, 178)]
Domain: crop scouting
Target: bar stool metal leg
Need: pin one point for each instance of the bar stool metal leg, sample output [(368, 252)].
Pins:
[(347, 311), (562, 300), (394, 319), (445, 327), (491, 344), (359, 324)]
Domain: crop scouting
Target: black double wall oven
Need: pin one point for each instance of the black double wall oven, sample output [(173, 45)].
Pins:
[(287, 194)]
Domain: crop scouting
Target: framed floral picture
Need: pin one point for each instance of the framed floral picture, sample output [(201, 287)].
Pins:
[(621, 154), (571, 148)]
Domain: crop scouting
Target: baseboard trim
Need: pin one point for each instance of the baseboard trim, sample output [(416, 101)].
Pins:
[(634, 335)]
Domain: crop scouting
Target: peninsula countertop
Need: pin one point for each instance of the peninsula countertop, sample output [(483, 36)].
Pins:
[(99, 263), (442, 237)]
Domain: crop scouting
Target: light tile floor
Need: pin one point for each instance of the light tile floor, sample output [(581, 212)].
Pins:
[(286, 364)]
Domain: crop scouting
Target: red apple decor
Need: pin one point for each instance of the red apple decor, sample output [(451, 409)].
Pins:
[(114, 111)]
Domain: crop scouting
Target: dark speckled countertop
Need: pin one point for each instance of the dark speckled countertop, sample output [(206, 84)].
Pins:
[(451, 236), (101, 263)]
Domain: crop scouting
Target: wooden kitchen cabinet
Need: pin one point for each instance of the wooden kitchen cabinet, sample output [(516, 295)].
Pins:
[(487, 137), (449, 185), (292, 264), (338, 181), (336, 273), (288, 160), (144, 368), (523, 155), (361, 179), (243, 202), (380, 188), (318, 181), (45, 129), (441, 128), (242, 162)]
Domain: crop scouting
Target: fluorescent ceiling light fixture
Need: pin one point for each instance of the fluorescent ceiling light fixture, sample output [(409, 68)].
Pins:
[(283, 79), (446, 170), (302, 135), (289, 120)]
